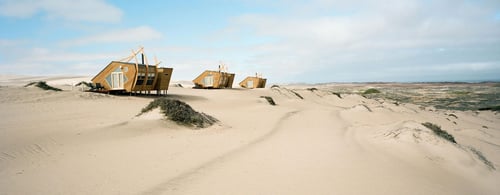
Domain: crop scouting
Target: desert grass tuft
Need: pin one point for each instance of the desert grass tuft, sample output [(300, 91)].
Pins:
[(337, 94), (481, 157), (492, 108), (439, 132), (269, 99), (453, 115), (297, 94), (89, 85), (371, 91), (180, 112), (43, 85)]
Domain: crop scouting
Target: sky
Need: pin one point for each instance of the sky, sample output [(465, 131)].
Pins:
[(287, 41)]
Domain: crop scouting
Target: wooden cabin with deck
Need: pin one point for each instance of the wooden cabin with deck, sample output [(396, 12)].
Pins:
[(214, 79), (253, 82), (125, 76)]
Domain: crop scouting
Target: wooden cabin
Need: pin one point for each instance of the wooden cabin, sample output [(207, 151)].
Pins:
[(253, 82), (214, 80), (133, 77)]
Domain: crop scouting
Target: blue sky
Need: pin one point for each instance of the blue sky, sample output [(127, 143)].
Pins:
[(286, 41)]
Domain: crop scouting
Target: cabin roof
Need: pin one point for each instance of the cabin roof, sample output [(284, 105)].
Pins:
[(216, 71), (130, 63)]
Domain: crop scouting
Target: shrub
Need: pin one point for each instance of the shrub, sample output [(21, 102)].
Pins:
[(367, 108), (337, 94), (481, 157), (370, 91), (312, 89), (180, 113), (459, 92), (43, 85), (492, 108), (297, 94), (269, 99), (439, 132), (178, 85), (89, 85)]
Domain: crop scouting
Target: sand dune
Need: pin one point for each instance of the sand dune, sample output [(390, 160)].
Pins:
[(311, 142)]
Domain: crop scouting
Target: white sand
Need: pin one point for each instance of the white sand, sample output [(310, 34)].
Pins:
[(73, 142)]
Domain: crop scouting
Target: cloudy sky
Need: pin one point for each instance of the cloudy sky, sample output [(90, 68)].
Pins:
[(287, 41)]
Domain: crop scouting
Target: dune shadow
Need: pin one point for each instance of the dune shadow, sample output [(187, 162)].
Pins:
[(182, 97), (186, 97)]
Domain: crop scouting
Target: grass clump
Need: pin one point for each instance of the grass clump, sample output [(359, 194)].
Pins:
[(371, 91), (337, 94), (178, 85), (269, 99), (453, 115), (42, 85), (439, 132), (180, 112), (492, 108), (89, 85), (481, 157), (297, 94)]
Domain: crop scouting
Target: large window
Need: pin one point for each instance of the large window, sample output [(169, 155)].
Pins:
[(250, 84), (151, 78), (141, 76), (117, 80), (208, 81)]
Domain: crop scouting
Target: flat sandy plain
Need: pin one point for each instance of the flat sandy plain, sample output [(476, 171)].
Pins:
[(311, 142)]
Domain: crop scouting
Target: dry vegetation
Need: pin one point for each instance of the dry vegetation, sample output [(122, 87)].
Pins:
[(43, 85), (180, 113), (371, 91), (445, 135), (269, 99), (481, 157), (439, 132), (453, 96)]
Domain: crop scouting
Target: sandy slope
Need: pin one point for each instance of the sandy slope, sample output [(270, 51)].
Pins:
[(72, 142)]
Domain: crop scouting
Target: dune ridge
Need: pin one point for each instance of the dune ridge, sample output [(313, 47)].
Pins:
[(312, 141)]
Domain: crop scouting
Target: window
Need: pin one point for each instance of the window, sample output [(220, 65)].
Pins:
[(250, 84), (151, 78), (140, 78), (208, 81), (117, 80)]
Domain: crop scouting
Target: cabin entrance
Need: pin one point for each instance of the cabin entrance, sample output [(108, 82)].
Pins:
[(117, 80), (208, 81), (250, 84)]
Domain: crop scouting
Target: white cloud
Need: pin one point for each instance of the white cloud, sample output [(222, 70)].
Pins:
[(130, 35), (5, 43), (372, 36), (44, 55), (291, 40), (55, 61), (77, 10), (473, 66)]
